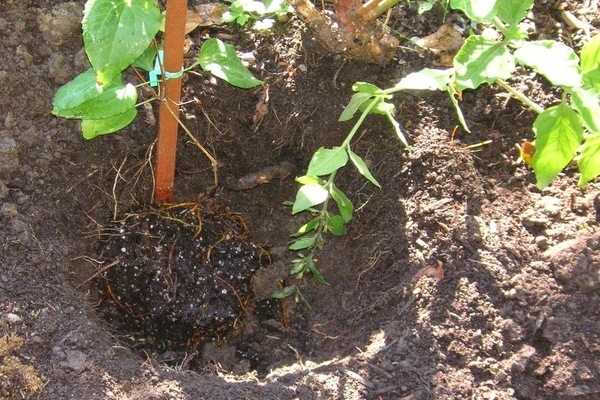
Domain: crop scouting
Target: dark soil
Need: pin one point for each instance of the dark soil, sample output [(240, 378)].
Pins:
[(513, 316)]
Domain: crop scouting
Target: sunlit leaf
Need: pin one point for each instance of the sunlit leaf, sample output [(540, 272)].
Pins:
[(587, 104), (558, 133), (555, 60), (325, 161), (590, 54), (116, 33), (476, 10), (309, 196), (481, 60), (511, 12), (426, 79), (589, 160), (355, 102), (221, 60), (309, 226)]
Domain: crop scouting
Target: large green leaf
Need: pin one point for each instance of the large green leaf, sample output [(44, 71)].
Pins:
[(117, 32), (109, 103), (308, 196), (221, 60), (558, 133), (91, 128), (589, 160), (325, 161), (590, 54), (481, 60), (556, 61), (81, 89), (511, 12)]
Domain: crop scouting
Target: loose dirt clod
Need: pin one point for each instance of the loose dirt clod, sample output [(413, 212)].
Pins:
[(183, 274)]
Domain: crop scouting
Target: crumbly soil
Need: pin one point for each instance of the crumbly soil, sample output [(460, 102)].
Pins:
[(514, 316)]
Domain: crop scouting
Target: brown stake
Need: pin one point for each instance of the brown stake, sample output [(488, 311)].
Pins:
[(169, 108)]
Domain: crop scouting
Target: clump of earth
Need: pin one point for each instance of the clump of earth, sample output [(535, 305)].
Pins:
[(177, 276)]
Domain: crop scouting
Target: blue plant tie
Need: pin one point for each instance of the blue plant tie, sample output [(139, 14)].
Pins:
[(156, 72)]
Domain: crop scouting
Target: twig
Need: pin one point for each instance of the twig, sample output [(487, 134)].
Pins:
[(101, 270)]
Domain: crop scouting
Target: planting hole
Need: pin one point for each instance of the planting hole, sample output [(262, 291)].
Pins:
[(182, 275)]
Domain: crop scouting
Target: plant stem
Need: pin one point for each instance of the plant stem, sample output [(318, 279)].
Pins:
[(169, 108), (520, 96)]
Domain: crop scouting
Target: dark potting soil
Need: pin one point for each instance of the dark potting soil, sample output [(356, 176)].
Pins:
[(181, 274)]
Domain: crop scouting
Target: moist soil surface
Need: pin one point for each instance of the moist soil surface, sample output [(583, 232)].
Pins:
[(458, 279)]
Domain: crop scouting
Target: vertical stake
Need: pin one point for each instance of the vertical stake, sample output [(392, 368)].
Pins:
[(166, 148)]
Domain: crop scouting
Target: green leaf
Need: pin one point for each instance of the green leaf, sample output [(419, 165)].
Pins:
[(117, 32), (308, 196), (285, 292), (221, 60), (303, 243), (397, 129), (91, 128), (146, 60), (356, 101), (476, 10), (558, 133), (587, 104), (481, 60), (368, 88), (589, 160), (310, 180), (461, 118), (109, 103), (81, 89), (511, 12), (381, 107), (362, 167), (425, 6), (591, 79), (336, 225), (309, 226), (590, 54), (556, 61), (325, 161), (298, 266), (343, 202), (317, 275), (426, 79)]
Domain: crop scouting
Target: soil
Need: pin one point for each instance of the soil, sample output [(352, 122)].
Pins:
[(458, 279)]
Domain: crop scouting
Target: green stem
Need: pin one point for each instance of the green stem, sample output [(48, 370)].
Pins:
[(357, 125), (500, 26), (520, 96)]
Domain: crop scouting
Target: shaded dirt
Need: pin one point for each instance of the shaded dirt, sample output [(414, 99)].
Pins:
[(514, 317)]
